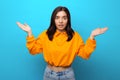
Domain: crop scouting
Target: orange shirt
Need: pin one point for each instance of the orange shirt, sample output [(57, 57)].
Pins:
[(60, 52)]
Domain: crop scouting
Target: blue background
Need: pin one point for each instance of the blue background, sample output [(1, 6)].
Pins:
[(17, 64)]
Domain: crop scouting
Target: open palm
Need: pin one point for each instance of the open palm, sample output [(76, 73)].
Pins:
[(24, 27), (99, 31)]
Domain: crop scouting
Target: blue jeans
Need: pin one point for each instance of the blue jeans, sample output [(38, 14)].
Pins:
[(67, 74)]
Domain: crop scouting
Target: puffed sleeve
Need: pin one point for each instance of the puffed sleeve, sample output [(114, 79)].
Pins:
[(85, 50), (35, 46)]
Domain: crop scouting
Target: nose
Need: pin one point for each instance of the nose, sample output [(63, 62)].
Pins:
[(60, 20)]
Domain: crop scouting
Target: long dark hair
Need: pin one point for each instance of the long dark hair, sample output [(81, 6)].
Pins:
[(52, 28)]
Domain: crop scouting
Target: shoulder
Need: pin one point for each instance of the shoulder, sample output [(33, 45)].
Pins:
[(43, 33), (76, 34)]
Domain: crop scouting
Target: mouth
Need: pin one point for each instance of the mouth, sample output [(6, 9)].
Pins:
[(61, 25)]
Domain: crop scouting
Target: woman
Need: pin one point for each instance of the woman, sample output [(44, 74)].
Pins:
[(60, 44)]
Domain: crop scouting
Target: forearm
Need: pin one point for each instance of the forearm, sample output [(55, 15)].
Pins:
[(92, 37), (87, 49), (29, 33)]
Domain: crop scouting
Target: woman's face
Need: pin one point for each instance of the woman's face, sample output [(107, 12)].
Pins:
[(61, 20)]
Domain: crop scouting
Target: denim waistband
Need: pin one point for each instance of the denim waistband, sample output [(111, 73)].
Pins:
[(67, 74), (58, 73)]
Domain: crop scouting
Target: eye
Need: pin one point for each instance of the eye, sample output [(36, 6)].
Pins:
[(64, 17), (57, 17)]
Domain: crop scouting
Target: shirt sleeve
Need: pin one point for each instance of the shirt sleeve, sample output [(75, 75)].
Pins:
[(35, 46), (85, 50)]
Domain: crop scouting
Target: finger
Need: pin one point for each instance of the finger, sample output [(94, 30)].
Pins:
[(20, 25), (104, 29), (26, 24)]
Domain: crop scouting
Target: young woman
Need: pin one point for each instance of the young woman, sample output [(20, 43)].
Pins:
[(60, 44)]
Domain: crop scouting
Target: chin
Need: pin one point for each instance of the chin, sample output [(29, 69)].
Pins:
[(61, 29)]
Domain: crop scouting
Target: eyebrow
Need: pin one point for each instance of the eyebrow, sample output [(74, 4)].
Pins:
[(59, 16)]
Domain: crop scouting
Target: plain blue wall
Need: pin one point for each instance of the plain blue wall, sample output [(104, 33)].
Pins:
[(17, 64)]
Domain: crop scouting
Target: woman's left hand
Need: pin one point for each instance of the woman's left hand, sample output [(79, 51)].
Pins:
[(98, 31)]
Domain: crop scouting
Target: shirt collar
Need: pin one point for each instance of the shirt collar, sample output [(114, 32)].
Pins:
[(57, 33)]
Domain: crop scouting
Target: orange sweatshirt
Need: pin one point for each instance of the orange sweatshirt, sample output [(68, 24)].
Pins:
[(60, 52)]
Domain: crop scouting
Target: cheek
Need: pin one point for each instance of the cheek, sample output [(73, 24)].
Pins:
[(66, 22), (56, 21)]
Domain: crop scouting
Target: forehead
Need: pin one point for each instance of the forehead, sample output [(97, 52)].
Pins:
[(61, 13)]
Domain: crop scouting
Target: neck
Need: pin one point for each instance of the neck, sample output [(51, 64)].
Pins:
[(60, 30)]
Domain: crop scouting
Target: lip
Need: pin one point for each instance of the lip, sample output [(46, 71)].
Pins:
[(61, 25)]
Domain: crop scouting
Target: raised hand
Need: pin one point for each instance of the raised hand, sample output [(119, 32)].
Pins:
[(25, 27), (98, 31)]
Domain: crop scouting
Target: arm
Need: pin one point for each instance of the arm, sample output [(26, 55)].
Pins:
[(85, 50), (34, 45)]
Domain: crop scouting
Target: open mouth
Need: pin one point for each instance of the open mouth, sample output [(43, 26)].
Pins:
[(61, 25)]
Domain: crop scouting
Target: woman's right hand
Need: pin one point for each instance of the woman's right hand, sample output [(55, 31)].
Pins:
[(25, 27)]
